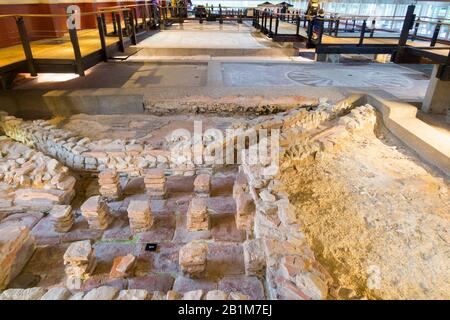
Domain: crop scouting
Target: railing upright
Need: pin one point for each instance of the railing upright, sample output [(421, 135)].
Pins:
[(119, 31), (101, 33), (435, 33), (26, 46), (408, 23), (270, 25), (114, 22), (76, 50), (277, 22), (132, 20), (362, 34), (416, 29), (105, 30)]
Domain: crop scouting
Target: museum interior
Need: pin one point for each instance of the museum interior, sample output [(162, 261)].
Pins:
[(224, 150)]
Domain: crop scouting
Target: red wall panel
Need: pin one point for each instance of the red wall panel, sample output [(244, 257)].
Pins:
[(46, 27)]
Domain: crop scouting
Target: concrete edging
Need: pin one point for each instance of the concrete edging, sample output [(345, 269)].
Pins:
[(400, 118)]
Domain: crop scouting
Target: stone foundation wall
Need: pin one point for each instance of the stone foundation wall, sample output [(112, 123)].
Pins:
[(80, 153), (292, 271), (28, 178)]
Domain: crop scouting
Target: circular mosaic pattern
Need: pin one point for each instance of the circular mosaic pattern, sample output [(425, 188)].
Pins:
[(348, 78)]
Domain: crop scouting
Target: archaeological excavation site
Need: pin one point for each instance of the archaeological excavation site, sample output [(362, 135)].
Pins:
[(207, 156)]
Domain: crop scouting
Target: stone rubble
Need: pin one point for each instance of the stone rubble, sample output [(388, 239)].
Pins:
[(240, 185), (245, 211), (216, 295), (96, 212), (193, 259), (155, 183), (56, 293), (140, 216), (134, 294), (123, 266), (275, 246), (61, 218), (193, 295), (16, 248), (202, 185), (80, 153), (197, 215), (102, 293), (238, 296), (39, 180), (23, 294), (109, 183), (254, 259), (80, 262)]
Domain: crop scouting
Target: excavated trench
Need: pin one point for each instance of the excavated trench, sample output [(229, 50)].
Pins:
[(375, 217)]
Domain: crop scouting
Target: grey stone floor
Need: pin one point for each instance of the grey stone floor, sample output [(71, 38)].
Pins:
[(209, 74), (401, 82)]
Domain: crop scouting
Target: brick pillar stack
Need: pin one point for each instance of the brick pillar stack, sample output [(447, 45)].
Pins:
[(109, 184), (140, 216), (61, 218), (155, 183), (197, 215), (96, 212)]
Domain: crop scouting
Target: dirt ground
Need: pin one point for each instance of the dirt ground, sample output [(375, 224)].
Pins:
[(377, 217)]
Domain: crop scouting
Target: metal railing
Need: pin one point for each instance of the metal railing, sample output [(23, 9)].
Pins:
[(37, 55), (361, 27)]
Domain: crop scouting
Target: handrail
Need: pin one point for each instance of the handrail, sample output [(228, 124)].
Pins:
[(50, 15)]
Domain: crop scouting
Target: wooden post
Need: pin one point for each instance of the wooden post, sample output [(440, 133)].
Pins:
[(416, 29), (26, 46), (408, 23), (126, 22), (362, 34), (147, 15), (119, 31), (101, 33), (133, 28), (144, 12), (134, 13), (276, 25), (76, 50), (113, 17), (435, 33), (105, 30), (265, 22), (270, 24)]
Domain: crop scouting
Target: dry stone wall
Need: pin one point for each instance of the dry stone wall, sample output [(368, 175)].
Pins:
[(80, 153), (28, 178), (291, 269)]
